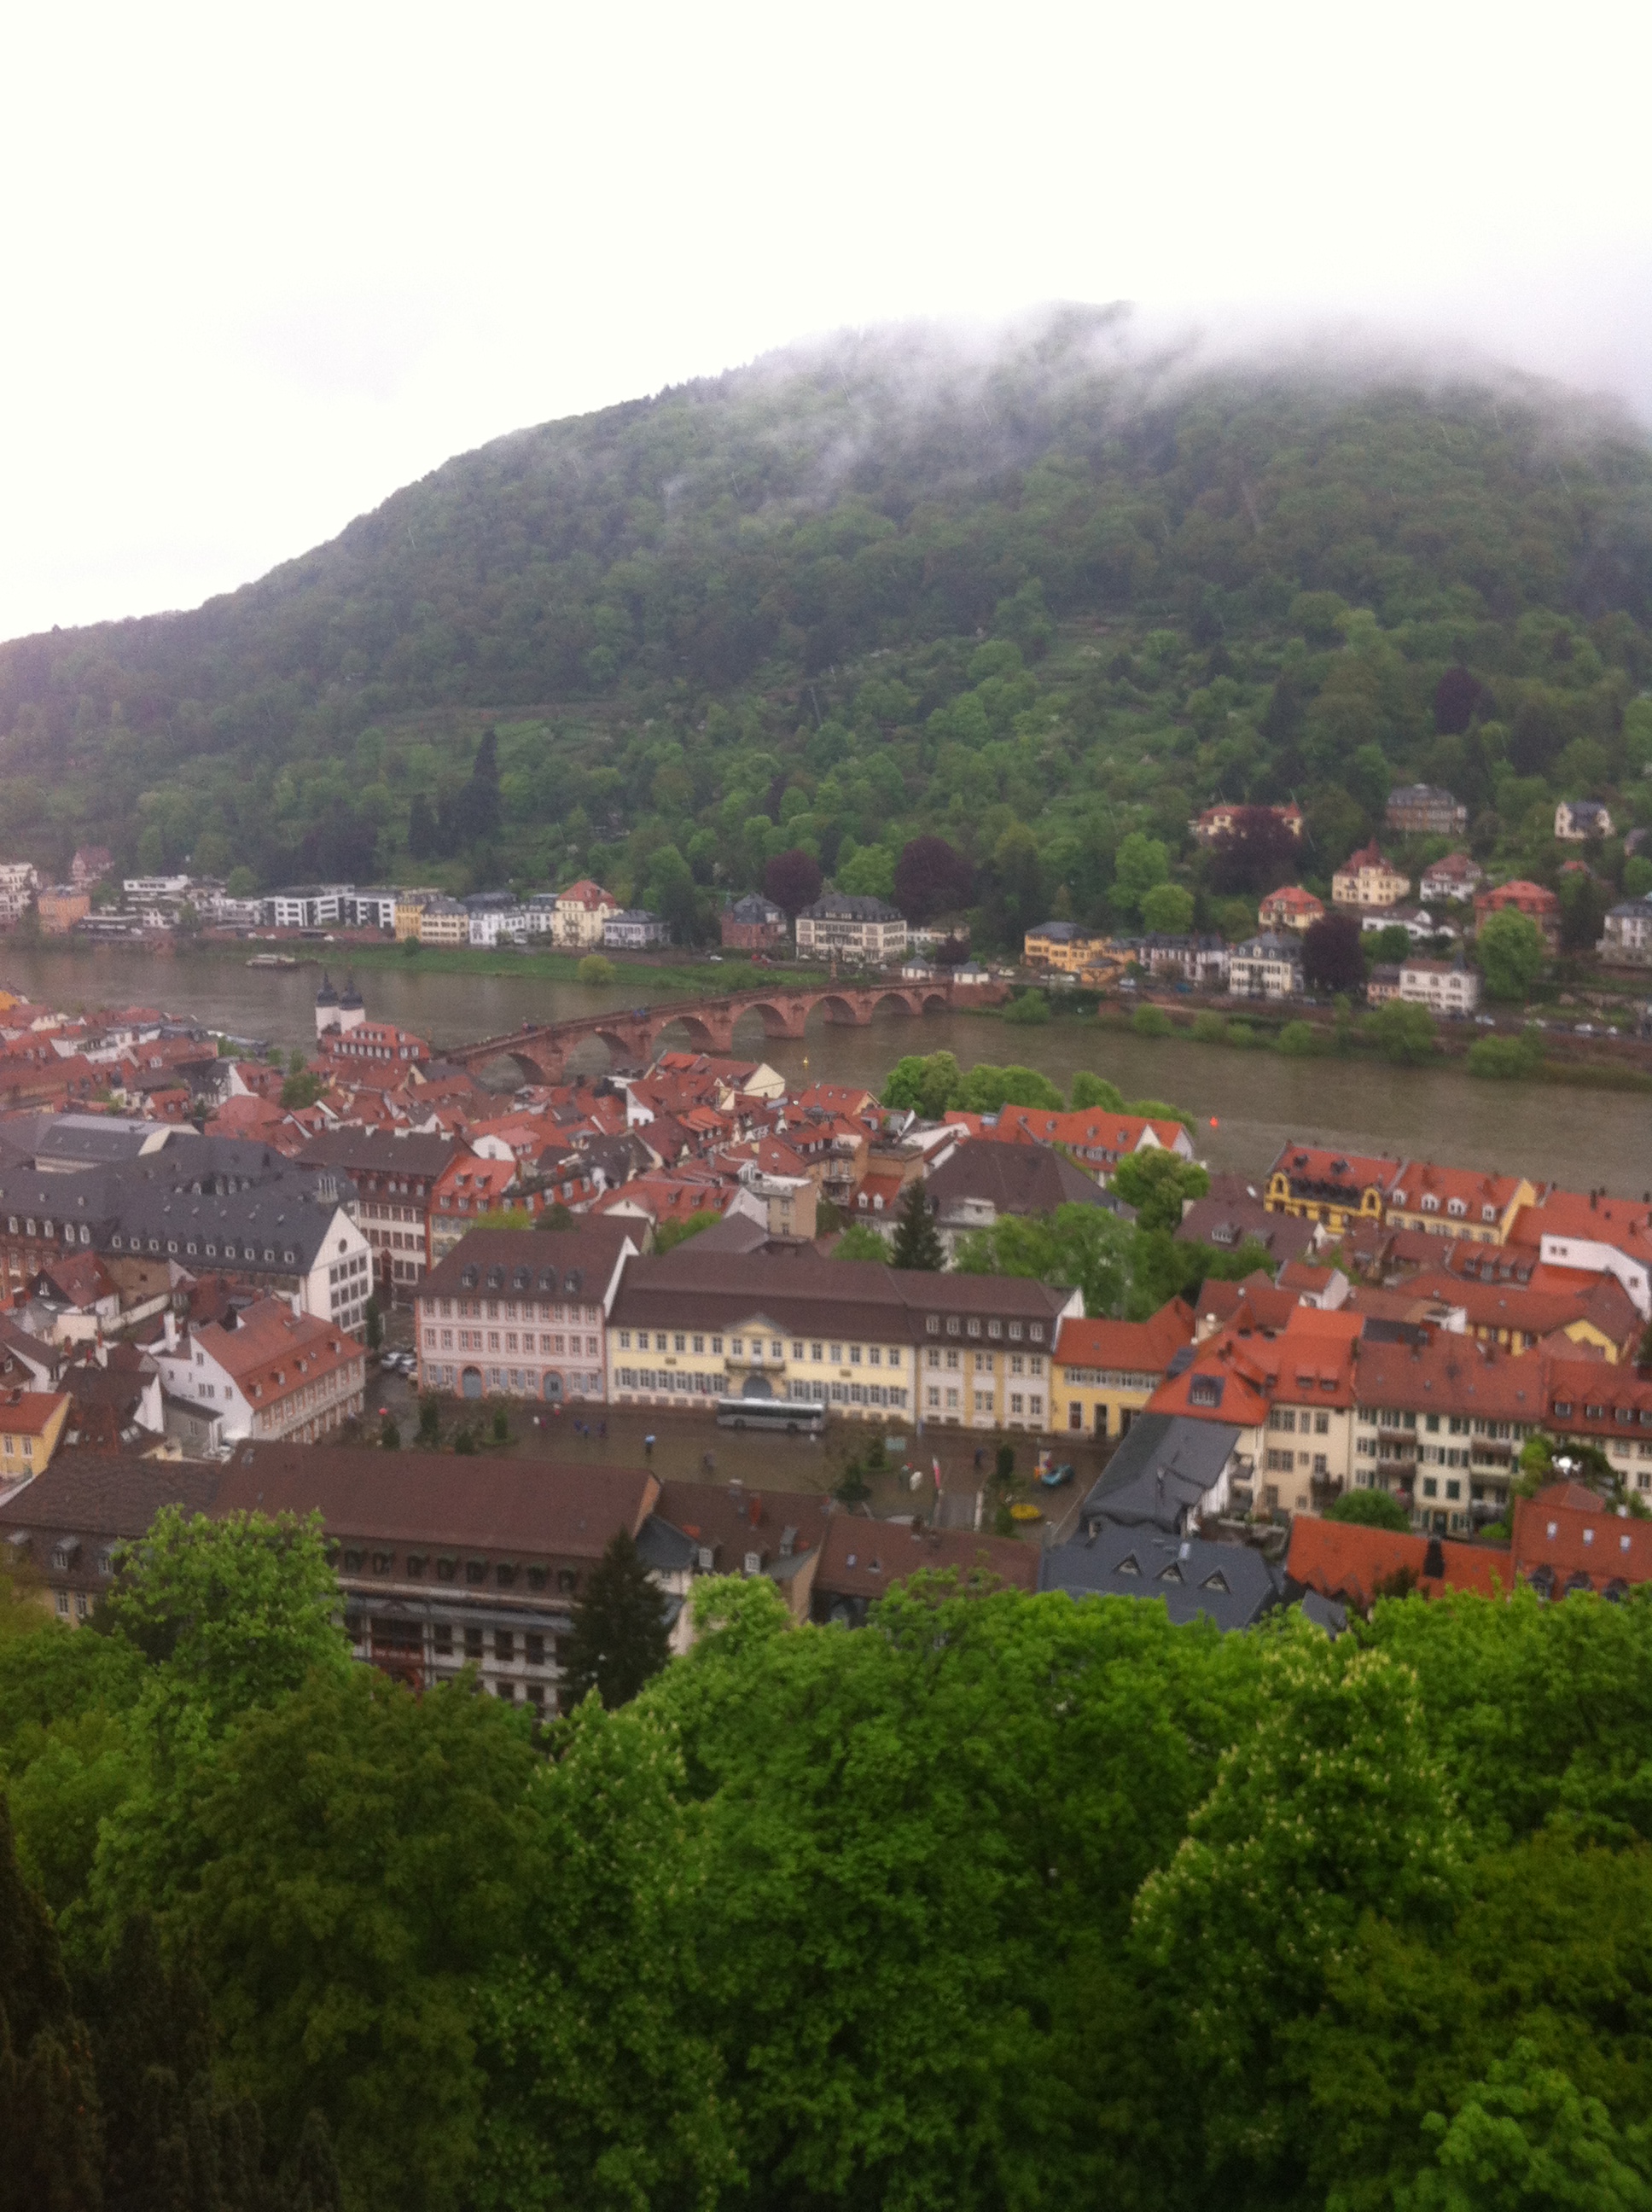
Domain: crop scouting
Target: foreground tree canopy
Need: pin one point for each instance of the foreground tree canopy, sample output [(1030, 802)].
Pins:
[(981, 633), (1000, 1902)]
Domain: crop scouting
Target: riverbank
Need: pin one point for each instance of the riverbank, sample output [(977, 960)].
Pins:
[(1249, 1104)]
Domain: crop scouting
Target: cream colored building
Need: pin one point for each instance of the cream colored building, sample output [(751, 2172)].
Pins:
[(444, 921), (1440, 984), (1369, 878), (865, 1342), (582, 913)]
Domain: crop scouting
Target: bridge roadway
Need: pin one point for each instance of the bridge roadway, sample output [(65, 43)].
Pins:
[(540, 1049)]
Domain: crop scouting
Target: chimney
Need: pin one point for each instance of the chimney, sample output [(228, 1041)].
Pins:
[(169, 1329)]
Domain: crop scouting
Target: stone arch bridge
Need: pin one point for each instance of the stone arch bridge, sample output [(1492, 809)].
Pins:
[(540, 1050)]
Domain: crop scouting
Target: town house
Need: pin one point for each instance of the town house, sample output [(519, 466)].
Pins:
[(521, 1313)]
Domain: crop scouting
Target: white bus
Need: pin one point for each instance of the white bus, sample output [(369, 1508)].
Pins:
[(797, 1417)]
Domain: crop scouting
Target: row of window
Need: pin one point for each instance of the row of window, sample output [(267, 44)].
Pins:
[(449, 1567), (1023, 1405), (45, 1230), (471, 1309), (1285, 1462), (822, 1353), (1283, 1418), (1112, 1378), (973, 1327), (550, 1347)]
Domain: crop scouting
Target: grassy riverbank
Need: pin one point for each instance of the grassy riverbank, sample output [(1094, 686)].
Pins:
[(652, 979)]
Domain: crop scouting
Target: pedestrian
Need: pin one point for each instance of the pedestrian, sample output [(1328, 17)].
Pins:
[(602, 1431), (979, 1458), (648, 1447)]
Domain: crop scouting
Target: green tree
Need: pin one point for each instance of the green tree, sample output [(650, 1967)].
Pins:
[(1168, 909), (1029, 1008), (49, 2119), (1151, 1022), (619, 1638), (860, 1241), (374, 1330), (1403, 1032), (670, 1233), (1079, 1247), (1512, 954), (429, 1422), (1525, 2136), (1334, 1807), (233, 1613), (929, 1085), (1159, 1184), (1140, 864), (1298, 1040), (1095, 1091), (366, 1852), (1369, 1509), (301, 1090), (917, 1242), (389, 1435), (597, 970)]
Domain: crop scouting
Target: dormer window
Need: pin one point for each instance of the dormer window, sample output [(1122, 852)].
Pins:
[(1456, 1207), (1430, 1204)]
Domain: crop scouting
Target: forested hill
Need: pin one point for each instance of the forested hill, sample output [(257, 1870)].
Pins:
[(1032, 598)]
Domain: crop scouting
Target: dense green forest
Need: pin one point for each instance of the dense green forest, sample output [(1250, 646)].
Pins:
[(1036, 601), (1001, 1902)]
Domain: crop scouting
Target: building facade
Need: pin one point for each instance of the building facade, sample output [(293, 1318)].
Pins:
[(1369, 878), (634, 929), (267, 1372), (752, 924), (1267, 966), (581, 914), (523, 1313), (1105, 1372), (1577, 820), (1061, 945), (865, 1342), (1535, 900), (1458, 876), (1444, 985), (394, 1178), (1627, 933), (1425, 810), (1291, 907), (841, 926)]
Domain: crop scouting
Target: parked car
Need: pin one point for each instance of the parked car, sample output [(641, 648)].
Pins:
[(1486, 1021), (1583, 1028), (1054, 1477)]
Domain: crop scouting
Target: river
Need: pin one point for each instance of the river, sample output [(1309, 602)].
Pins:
[(1249, 1104)]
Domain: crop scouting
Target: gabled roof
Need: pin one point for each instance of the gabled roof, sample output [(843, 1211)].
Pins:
[(1166, 1468), (866, 1558), (1341, 1559), (1138, 1347), (1228, 1584)]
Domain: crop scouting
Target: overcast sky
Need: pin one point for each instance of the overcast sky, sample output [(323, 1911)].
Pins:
[(263, 264)]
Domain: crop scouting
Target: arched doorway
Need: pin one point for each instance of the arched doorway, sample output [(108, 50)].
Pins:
[(756, 1386), (553, 1386), (471, 1382)]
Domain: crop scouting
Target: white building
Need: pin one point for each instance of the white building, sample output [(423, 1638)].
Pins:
[(1577, 820), (308, 906), (18, 883), (151, 890), (633, 929), (494, 922), (845, 926), (265, 1372), (582, 912), (1442, 985), (1268, 966), (1628, 933)]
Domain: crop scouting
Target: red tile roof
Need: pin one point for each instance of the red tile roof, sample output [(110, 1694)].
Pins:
[(1142, 1347), (1566, 1538), (1343, 1560)]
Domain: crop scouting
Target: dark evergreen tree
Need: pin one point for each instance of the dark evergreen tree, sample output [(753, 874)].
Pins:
[(313, 2185), (473, 817), (1333, 957), (423, 836), (620, 1638), (917, 1240), (51, 2140)]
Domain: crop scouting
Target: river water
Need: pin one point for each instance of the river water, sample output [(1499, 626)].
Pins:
[(1249, 1104)]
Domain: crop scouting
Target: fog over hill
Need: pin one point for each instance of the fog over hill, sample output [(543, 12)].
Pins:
[(1075, 575)]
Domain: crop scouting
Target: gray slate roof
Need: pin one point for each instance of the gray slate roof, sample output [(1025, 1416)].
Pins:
[(1228, 1584), (1016, 1179), (1162, 1470)]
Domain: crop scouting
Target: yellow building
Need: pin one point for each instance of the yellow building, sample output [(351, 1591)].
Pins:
[(1107, 1371), (410, 912), (1340, 1189), (1368, 878), (31, 1422), (865, 1342), (444, 921), (1459, 1202), (1062, 945)]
